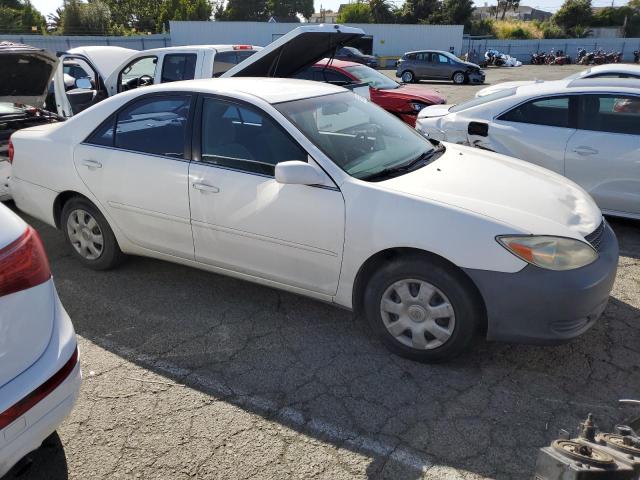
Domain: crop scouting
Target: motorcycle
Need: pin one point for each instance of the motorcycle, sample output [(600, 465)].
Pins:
[(538, 58)]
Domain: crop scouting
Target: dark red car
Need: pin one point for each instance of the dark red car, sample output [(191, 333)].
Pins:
[(404, 101)]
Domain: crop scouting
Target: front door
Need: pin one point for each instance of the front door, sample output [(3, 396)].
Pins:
[(603, 156), (245, 221), (136, 165)]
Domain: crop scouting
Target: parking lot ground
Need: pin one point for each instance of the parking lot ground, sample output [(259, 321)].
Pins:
[(189, 374)]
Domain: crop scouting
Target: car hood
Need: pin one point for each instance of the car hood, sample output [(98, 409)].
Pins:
[(434, 111), (415, 92), (469, 64), (295, 51), (503, 86), (523, 196), (26, 73)]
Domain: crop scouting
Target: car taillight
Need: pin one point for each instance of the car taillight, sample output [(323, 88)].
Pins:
[(23, 264), (27, 403), (12, 151)]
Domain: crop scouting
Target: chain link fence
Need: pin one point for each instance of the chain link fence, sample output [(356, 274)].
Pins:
[(522, 49)]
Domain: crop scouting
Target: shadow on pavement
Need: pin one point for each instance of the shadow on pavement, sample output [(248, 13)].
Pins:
[(49, 461), (318, 370)]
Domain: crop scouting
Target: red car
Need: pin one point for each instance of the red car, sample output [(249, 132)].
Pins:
[(404, 101)]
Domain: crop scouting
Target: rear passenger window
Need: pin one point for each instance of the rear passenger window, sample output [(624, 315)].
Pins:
[(610, 113), (551, 111), (243, 138), (153, 125), (224, 61), (176, 67)]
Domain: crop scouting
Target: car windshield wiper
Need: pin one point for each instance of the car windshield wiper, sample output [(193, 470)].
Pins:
[(418, 162)]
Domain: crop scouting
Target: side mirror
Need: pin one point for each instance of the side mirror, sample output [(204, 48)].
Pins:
[(83, 83), (295, 172)]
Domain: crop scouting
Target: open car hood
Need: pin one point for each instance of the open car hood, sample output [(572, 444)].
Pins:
[(26, 72), (295, 51)]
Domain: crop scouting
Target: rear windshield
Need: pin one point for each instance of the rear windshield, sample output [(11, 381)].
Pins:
[(482, 100), (224, 61)]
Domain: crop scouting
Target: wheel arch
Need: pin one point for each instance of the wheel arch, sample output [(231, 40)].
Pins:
[(62, 199), (375, 261)]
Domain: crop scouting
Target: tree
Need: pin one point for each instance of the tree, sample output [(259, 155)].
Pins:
[(183, 10), (572, 14), (505, 5), (290, 8), (19, 16), (381, 11), (245, 10), (419, 11), (355, 13), (457, 12)]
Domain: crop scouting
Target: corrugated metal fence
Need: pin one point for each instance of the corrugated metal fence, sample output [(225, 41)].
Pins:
[(522, 49), (59, 43)]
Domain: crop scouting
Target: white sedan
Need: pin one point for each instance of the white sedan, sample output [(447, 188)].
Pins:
[(587, 130), (610, 70), (307, 187), (39, 369)]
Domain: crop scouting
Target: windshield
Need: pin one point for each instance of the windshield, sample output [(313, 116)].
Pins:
[(507, 92), (374, 78), (360, 137)]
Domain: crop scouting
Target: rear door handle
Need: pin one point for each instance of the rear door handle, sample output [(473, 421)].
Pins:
[(583, 150), (203, 187), (91, 164)]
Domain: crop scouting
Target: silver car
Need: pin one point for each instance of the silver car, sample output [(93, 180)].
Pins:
[(437, 65)]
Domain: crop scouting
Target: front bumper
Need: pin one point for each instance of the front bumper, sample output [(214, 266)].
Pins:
[(539, 306), (476, 77)]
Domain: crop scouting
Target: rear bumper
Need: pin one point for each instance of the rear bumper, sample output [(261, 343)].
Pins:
[(27, 432), (539, 306)]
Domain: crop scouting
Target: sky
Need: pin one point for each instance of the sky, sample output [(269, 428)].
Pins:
[(49, 6)]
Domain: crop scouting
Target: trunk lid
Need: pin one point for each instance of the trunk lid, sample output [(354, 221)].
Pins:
[(27, 72), (527, 197), (295, 51), (26, 316)]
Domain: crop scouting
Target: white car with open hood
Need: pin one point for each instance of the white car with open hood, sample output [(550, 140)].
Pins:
[(39, 369), (307, 187), (111, 70), (587, 130)]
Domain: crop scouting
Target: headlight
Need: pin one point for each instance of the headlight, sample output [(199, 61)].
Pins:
[(553, 253), (416, 106)]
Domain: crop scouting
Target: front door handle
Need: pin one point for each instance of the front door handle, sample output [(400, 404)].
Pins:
[(203, 187), (91, 164), (583, 150)]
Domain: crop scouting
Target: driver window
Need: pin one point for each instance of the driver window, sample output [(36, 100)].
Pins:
[(442, 59), (243, 138), (139, 73)]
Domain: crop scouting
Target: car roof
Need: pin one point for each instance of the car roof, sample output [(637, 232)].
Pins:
[(427, 51), (200, 47), (271, 90), (615, 67), (621, 85), (337, 63)]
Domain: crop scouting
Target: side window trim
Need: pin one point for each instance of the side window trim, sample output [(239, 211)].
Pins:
[(579, 106), (572, 109), (184, 55), (113, 118), (196, 138)]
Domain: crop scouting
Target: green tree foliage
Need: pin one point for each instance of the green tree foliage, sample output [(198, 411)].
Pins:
[(134, 15), (19, 16), (290, 8), (183, 10), (355, 13), (574, 16), (245, 10), (457, 12), (505, 5), (419, 11), (382, 11)]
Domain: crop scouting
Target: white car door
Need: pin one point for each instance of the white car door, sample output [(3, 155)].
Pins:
[(603, 155), (136, 165), (536, 131), (245, 221)]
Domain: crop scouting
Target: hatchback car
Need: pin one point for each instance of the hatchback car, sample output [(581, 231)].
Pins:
[(39, 370), (587, 130), (437, 65), (404, 101), (310, 188)]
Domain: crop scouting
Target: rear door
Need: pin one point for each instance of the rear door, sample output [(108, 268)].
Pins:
[(603, 155), (536, 131), (137, 164)]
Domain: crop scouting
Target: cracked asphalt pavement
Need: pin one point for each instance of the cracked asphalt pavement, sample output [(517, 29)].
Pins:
[(188, 374)]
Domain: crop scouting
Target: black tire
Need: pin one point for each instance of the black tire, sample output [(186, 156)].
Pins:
[(110, 254), (459, 78), (411, 78), (460, 293)]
